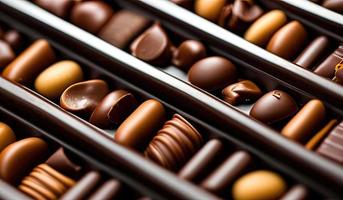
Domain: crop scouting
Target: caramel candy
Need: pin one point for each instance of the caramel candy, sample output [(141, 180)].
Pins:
[(209, 9), (25, 68), (302, 125), (18, 158), (288, 41), (141, 125), (263, 28), (7, 136), (55, 79), (241, 92), (250, 186)]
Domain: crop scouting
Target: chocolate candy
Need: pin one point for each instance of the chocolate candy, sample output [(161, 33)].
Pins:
[(212, 73), (60, 8), (55, 79), (327, 67), (153, 46), (7, 136), (6, 54), (13, 38), (184, 3), (261, 184), (239, 15), (335, 5), (317, 138), (273, 107), (297, 192), (62, 163), (18, 158), (264, 27), (302, 125), (141, 125), (201, 160), (339, 73), (108, 190), (83, 187), (123, 27), (228, 171), (82, 98), (332, 146), (287, 41), (30, 63), (241, 92), (313, 51), (174, 144), (113, 109), (91, 15), (189, 52), (209, 9)]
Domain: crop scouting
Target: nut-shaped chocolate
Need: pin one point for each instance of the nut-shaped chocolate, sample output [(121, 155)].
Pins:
[(113, 109), (212, 73), (273, 107), (241, 92), (209, 9), (82, 98), (141, 125), (7, 136), (6, 54), (189, 52)]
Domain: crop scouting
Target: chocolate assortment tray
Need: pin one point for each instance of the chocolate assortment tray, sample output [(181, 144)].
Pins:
[(172, 93)]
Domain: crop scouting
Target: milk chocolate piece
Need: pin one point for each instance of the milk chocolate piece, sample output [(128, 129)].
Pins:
[(273, 107), (332, 146), (318, 137), (6, 54), (82, 98), (62, 163), (288, 40), (18, 158), (212, 73), (188, 4), (61, 8), (174, 144), (141, 125), (123, 27), (227, 172), (312, 53), (241, 92), (7, 136), (297, 192), (201, 160), (13, 38), (108, 190), (153, 46), (91, 15), (25, 68), (113, 109), (83, 187), (239, 15), (335, 5), (327, 67), (302, 125), (189, 52)]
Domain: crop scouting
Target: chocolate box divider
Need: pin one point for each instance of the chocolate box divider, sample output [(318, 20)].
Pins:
[(225, 115), (111, 171), (229, 43)]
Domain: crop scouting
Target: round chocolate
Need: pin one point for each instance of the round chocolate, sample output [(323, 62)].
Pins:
[(113, 109), (82, 98), (6, 54), (212, 73), (91, 15), (274, 106), (7, 136), (189, 52)]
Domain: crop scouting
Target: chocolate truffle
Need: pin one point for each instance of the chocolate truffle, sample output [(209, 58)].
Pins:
[(212, 73), (273, 107), (241, 92)]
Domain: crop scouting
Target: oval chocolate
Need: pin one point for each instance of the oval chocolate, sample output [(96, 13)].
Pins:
[(7, 136)]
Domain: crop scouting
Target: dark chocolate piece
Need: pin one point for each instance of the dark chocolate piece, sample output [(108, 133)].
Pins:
[(227, 172), (6, 54), (273, 107), (108, 190), (212, 73), (123, 27), (61, 8), (62, 163), (335, 5), (189, 52), (241, 92), (153, 46), (332, 146), (297, 192), (13, 38), (327, 67), (312, 53), (201, 160)]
